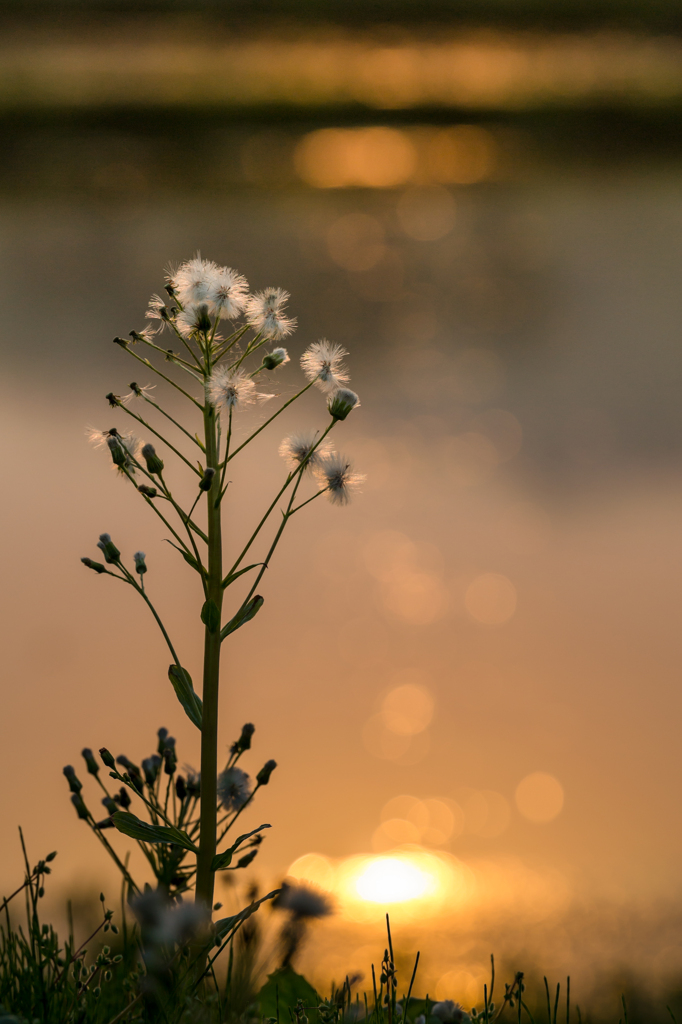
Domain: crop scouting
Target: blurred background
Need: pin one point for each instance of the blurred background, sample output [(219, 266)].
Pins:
[(469, 677)]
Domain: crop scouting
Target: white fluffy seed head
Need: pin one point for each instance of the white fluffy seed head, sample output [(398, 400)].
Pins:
[(194, 319), (322, 362), (335, 475), (227, 293), (230, 388), (234, 788), (299, 447), (265, 313), (193, 279)]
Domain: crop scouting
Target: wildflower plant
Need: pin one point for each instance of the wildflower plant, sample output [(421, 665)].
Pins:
[(220, 374)]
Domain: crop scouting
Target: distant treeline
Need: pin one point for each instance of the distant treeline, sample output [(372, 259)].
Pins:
[(637, 15)]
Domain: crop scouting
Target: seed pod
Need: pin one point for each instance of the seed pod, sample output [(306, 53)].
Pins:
[(154, 463)]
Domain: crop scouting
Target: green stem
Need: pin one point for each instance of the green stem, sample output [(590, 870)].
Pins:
[(169, 380), (209, 730)]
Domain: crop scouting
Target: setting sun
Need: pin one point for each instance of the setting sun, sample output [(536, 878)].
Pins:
[(393, 880)]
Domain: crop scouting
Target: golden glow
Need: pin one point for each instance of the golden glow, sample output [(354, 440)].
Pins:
[(491, 599), (393, 880), (540, 797)]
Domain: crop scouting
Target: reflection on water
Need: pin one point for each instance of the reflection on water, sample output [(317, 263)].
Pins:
[(469, 677)]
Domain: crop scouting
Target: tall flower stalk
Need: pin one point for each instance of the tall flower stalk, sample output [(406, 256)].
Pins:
[(219, 376)]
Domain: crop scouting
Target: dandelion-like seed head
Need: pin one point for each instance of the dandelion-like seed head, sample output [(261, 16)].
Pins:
[(299, 447), (234, 788), (227, 292), (336, 476), (193, 320), (264, 312), (342, 402), (450, 1012), (303, 901), (230, 388), (156, 310), (193, 279), (322, 362)]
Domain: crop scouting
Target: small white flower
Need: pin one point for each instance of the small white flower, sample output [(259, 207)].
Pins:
[(342, 402), (231, 388), (336, 476), (193, 280), (278, 357), (227, 292), (264, 312), (449, 1012), (295, 449), (234, 788), (303, 901), (322, 362), (193, 320)]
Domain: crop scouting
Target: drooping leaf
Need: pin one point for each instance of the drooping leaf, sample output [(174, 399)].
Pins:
[(210, 616), (245, 614), (224, 859), (285, 987), (184, 691), (240, 572), (134, 827), (190, 559), (226, 925)]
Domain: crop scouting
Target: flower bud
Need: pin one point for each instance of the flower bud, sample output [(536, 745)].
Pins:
[(74, 784), (118, 453), (342, 402), (110, 804), (112, 400), (108, 549), (244, 741), (139, 559), (81, 809), (180, 788), (150, 767), (162, 734), (244, 861), (170, 761), (122, 342), (149, 492), (207, 479), (122, 798), (89, 759), (107, 758), (275, 358), (154, 463), (266, 771), (97, 566)]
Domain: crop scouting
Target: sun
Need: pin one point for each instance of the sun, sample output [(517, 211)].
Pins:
[(393, 880)]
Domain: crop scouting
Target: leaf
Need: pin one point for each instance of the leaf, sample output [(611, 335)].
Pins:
[(224, 859), (184, 691), (235, 575), (188, 558), (245, 614), (134, 827), (229, 924), (285, 987), (210, 616)]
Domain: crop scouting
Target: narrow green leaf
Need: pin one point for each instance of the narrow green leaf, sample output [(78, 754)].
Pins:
[(245, 614), (229, 924), (235, 575), (134, 827), (224, 859), (184, 691), (188, 558), (210, 616)]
